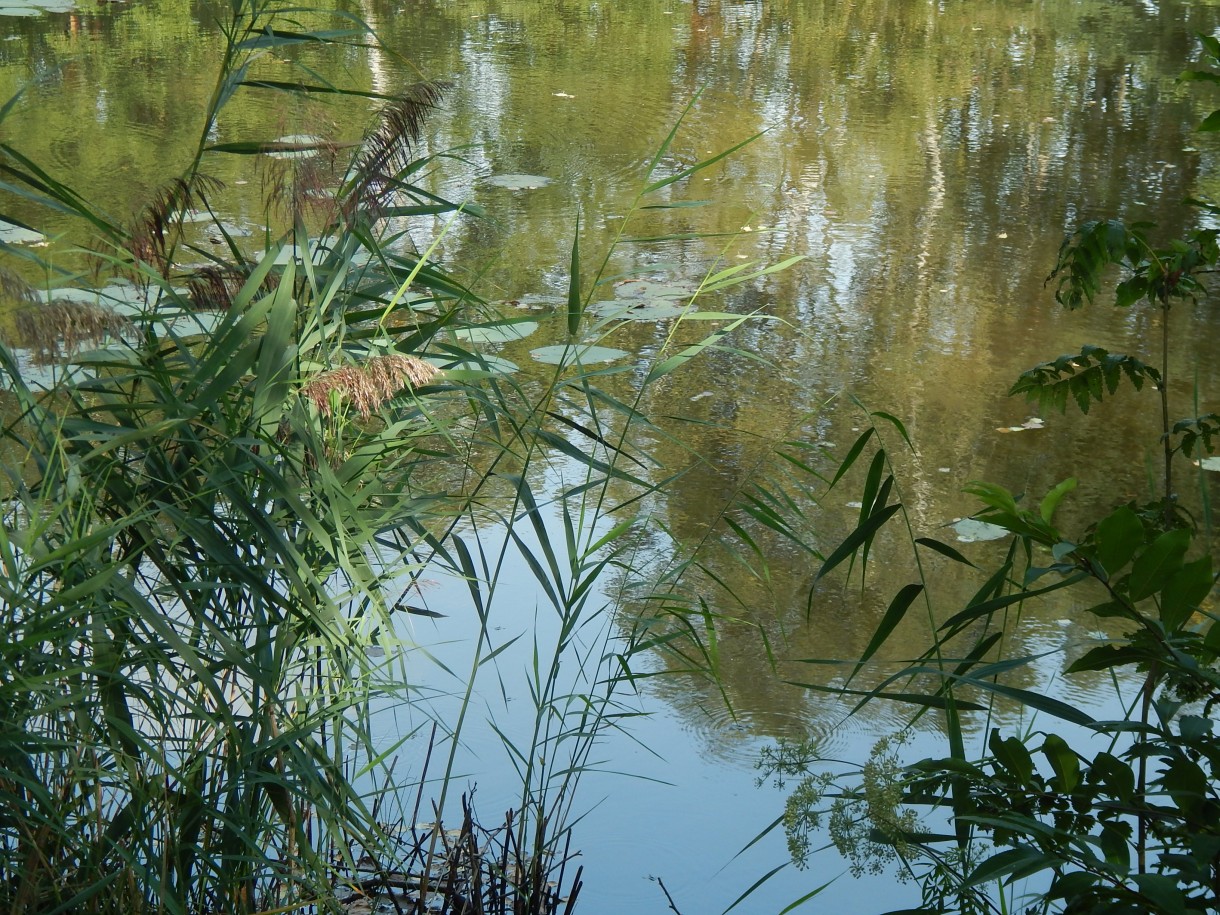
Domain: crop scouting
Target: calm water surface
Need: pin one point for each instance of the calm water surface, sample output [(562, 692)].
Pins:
[(924, 157)]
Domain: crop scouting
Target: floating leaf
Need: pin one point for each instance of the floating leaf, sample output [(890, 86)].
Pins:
[(191, 323), (535, 302), (474, 366), (641, 309), (518, 182), (496, 333), (299, 146), (654, 289), (12, 234), (318, 253), (568, 354), (1210, 463), (971, 530), (44, 376)]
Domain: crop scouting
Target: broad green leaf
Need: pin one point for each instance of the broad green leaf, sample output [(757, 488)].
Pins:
[(1072, 885), (1013, 756), (1167, 898), (1052, 499), (1064, 762), (1184, 591), (1115, 774), (1011, 863), (1115, 842), (1157, 564), (1108, 657), (1118, 536)]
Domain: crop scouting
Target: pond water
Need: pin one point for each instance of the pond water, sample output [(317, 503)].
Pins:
[(924, 158)]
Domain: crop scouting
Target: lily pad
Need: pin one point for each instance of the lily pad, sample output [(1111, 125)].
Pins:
[(1210, 463), (39, 376), (496, 333), (567, 354), (13, 234), (233, 230), (472, 367), (306, 146), (971, 530), (535, 302), (641, 309), (654, 289), (193, 323), (318, 254), (123, 296), (518, 182)]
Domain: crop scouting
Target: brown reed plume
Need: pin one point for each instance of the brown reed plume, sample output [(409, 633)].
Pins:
[(14, 289), (387, 149), (213, 288), (152, 236), (60, 327), (370, 385), (302, 185)]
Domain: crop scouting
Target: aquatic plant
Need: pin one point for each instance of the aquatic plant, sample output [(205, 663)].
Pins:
[(1068, 814), (207, 526)]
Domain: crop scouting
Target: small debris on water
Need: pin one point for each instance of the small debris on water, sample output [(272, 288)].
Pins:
[(1034, 422), (702, 395), (971, 530), (518, 182)]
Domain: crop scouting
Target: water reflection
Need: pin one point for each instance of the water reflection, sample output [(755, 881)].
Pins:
[(925, 158)]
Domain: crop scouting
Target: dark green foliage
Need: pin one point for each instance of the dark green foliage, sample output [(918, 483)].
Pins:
[(1157, 275), (1082, 378), (1113, 816), (1196, 433)]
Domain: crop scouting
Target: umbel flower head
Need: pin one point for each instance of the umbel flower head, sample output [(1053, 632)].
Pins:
[(366, 387)]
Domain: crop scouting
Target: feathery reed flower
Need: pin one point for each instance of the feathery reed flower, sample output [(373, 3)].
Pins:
[(61, 326), (370, 385)]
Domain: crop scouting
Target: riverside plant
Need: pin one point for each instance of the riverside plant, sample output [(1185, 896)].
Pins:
[(1072, 814), (218, 520)]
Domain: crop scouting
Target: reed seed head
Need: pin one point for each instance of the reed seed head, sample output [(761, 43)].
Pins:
[(387, 149), (61, 326), (366, 387), (156, 223)]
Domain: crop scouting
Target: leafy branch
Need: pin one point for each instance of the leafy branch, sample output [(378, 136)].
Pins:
[(1084, 377)]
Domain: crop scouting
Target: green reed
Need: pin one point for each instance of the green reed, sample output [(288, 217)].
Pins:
[(211, 529)]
